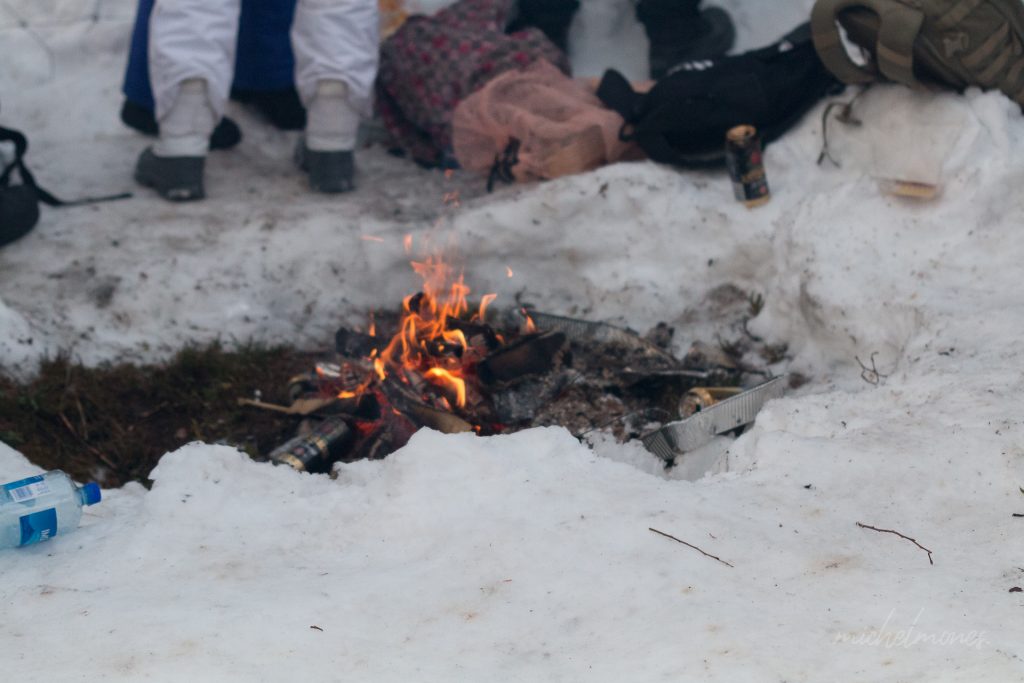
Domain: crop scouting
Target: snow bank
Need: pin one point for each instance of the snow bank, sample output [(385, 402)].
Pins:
[(522, 557), (528, 557)]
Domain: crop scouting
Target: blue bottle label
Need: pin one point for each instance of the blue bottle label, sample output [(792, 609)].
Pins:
[(38, 526), (27, 489), (22, 482)]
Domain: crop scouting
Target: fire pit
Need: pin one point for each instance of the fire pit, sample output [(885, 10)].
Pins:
[(443, 363)]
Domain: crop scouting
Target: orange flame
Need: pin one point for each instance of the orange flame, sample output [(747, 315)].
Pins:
[(485, 301), (426, 343), (531, 327), (449, 380), (508, 271)]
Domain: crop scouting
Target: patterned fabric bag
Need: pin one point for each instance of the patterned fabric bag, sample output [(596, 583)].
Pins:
[(431, 64)]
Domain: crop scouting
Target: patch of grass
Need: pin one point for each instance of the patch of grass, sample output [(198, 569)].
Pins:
[(113, 423)]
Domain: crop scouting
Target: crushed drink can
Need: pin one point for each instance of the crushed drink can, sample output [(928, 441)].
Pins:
[(329, 442), (746, 165)]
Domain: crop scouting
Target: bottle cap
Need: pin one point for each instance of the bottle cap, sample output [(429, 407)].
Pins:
[(91, 493)]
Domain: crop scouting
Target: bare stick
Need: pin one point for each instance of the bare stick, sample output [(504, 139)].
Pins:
[(871, 375), (690, 545), (890, 531), (94, 451)]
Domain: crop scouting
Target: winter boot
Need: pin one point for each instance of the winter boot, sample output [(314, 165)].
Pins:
[(282, 108), (681, 32), (325, 151), (174, 165), (553, 17), (226, 135)]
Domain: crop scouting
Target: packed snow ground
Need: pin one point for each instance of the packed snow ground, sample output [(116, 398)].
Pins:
[(528, 557)]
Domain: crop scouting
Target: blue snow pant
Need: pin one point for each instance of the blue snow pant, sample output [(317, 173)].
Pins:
[(263, 57)]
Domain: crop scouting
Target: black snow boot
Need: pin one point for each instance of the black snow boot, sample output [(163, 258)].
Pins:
[(282, 108), (681, 32), (178, 179), (329, 172), (553, 17), (226, 135)]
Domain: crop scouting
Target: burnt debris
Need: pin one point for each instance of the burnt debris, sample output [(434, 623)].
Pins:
[(536, 369)]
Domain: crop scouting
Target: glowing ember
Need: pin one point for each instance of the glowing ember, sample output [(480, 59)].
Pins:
[(531, 327)]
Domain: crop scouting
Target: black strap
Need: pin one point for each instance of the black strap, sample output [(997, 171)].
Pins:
[(618, 95), (20, 148), (503, 163)]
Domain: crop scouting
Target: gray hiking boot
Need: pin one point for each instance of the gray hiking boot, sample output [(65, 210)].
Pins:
[(329, 172), (174, 165), (325, 150), (178, 179)]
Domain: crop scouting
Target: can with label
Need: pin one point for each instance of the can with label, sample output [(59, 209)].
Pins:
[(329, 442), (746, 166)]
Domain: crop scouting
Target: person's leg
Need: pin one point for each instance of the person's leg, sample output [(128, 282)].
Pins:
[(553, 17), (192, 39), (336, 55), (679, 31), (265, 65), (136, 87), (264, 59), (137, 110), (191, 54)]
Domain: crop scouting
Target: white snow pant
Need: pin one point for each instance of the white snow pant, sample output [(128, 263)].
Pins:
[(331, 39)]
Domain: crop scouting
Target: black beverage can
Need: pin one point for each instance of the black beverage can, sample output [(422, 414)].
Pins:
[(319, 449), (746, 165)]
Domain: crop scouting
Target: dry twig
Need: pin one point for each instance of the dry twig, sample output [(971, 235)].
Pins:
[(845, 116), (871, 375), (890, 531), (690, 545), (85, 444)]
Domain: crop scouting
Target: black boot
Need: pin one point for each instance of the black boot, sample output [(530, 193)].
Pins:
[(282, 108), (553, 17), (226, 135), (681, 32), (177, 179), (329, 172)]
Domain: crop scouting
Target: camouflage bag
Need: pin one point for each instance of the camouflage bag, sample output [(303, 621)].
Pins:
[(946, 43)]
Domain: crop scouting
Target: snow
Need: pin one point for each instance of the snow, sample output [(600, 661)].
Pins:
[(528, 557)]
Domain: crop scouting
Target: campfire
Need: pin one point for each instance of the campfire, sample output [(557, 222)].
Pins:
[(456, 364)]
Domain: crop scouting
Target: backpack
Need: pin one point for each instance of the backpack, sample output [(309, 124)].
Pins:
[(19, 204), (952, 43), (683, 119)]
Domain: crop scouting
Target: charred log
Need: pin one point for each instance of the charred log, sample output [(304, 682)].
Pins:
[(522, 402), (531, 355), (353, 344)]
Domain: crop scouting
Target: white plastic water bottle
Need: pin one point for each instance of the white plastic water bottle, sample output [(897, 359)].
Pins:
[(38, 508)]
